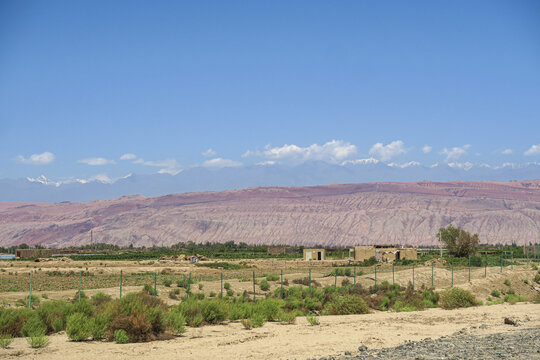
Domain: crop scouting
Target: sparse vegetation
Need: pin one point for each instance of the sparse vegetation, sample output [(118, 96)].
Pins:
[(312, 319), (5, 340), (457, 298)]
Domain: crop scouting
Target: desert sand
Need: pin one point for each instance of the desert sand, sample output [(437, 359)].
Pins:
[(334, 335)]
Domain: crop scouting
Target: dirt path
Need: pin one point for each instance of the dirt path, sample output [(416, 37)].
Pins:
[(335, 335)]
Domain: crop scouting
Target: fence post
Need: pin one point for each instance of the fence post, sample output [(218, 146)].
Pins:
[(375, 278), (393, 279), (254, 296), (282, 283), (485, 265), (413, 276), (501, 263), (30, 295), (432, 275), (309, 282), (452, 275), (512, 259), (527, 256), (189, 285), (120, 284), (221, 284), (335, 280), (80, 272), (155, 284), (469, 268), (354, 275)]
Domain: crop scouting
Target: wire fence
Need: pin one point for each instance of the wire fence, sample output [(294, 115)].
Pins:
[(207, 282)]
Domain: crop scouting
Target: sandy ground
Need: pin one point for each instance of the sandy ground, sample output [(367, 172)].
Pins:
[(334, 335)]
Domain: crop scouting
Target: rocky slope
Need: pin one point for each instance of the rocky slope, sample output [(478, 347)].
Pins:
[(345, 214)]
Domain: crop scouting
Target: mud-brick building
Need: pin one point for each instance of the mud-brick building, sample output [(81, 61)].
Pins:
[(41, 253), (314, 254), (382, 253)]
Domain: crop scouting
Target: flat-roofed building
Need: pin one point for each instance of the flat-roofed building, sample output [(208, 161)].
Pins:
[(382, 253), (314, 254)]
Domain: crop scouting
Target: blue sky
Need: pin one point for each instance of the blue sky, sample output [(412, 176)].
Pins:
[(83, 83)]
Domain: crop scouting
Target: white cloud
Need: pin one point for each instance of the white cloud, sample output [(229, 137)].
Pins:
[(366, 161), (455, 152), (169, 166), (427, 149), (266, 163), (97, 161), (386, 152), (208, 153), (533, 150), (405, 165), (218, 163), (334, 152), (37, 159), (464, 166), (128, 156), (507, 152)]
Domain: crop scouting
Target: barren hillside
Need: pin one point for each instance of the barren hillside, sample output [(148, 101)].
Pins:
[(345, 214)]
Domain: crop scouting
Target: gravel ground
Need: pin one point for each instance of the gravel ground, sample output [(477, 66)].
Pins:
[(519, 344)]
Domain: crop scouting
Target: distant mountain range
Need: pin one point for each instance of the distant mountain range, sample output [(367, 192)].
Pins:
[(331, 215), (307, 174)]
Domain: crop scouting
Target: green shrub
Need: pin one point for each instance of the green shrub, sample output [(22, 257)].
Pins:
[(385, 304), (534, 267), (100, 298), (346, 305), (511, 291), (148, 289), (99, 325), (496, 293), (456, 298), (287, 317), (173, 294), (5, 340), (201, 286), (507, 282), (526, 282), (537, 278), (78, 327), (121, 337), (33, 326), (142, 316), (264, 285), (191, 312), (13, 320), (45, 296), (399, 306), (53, 314), (167, 282), (38, 341), (212, 294), (240, 310), (230, 292), (269, 308), (176, 321), (257, 320), (214, 311), (312, 319), (512, 298), (272, 277), (226, 286)]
